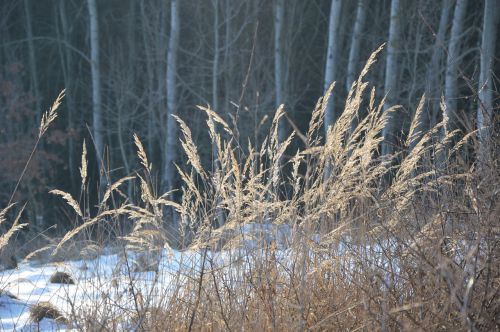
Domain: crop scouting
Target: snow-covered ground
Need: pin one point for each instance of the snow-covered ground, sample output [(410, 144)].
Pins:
[(97, 282), (111, 282), (108, 285)]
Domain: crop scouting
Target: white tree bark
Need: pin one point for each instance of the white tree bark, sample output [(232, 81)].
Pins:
[(391, 75), (279, 15), (485, 107), (359, 25), (97, 124), (331, 59), (170, 149), (451, 89)]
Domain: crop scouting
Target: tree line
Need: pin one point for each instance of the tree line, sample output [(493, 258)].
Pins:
[(128, 66)]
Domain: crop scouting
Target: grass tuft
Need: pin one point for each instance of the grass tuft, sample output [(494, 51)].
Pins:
[(60, 277), (47, 310)]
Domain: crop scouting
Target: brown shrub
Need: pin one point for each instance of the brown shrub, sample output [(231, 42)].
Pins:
[(60, 277), (43, 310)]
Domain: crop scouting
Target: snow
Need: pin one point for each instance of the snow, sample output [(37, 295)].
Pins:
[(103, 284), (108, 284), (108, 276)]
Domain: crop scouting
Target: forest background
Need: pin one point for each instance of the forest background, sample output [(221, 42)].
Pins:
[(128, 65)]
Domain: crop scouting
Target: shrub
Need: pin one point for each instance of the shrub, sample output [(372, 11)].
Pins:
[(46, 310), (60, 277)]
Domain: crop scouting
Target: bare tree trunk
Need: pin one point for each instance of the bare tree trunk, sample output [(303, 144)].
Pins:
[(131, 39), (451, 89), (279, 16), (215, 60), (413, 64), (434, 72), (67, 69), (160, 51), (359, 26), (96, 91), (331, 59), (485, 107), (32, 60), (121, 122), (151, 103), (219, 216), (170, 149), (227, 54), (391, 74), (131, 34)]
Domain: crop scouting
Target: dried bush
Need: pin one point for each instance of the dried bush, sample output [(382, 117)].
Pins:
[(403, 241), (60, 277), (46, 310)]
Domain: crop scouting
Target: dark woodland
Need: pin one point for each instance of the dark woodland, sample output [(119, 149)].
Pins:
[(192, 118), (226, 58)]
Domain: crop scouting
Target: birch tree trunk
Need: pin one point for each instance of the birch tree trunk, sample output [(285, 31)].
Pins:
[(390, 84), (331, 59), (359, 25), (97, 124), (451, 89), (171, 141), (485, 107), (279, 15)]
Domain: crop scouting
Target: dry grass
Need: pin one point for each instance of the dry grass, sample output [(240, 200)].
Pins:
[(401, 242), (46, 310), (60, 277), (47, 119)]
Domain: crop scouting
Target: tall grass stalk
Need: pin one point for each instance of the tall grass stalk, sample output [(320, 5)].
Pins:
[(47, 119), (328, 243)]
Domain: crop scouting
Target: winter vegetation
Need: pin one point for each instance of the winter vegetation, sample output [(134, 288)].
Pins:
[(249, 165)]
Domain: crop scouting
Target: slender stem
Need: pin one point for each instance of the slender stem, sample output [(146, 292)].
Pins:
[(24, 170), (200, 286)]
